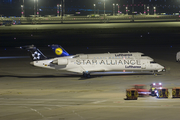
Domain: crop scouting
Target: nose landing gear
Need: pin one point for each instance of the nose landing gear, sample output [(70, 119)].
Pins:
[(154, 73)]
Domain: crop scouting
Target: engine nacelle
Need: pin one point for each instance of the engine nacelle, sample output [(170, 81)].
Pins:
[(60, 62)]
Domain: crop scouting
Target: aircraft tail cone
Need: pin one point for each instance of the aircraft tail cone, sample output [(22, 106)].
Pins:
[(32, 63)]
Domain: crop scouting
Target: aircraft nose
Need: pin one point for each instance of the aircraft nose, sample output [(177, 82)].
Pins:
[(164, 69)]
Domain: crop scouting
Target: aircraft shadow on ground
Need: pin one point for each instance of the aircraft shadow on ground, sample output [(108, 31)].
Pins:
[(69, 76)]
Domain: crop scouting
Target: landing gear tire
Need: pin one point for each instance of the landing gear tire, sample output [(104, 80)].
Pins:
[(86, 75)]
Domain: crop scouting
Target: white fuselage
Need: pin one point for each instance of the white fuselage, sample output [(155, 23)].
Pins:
[(101, 63)]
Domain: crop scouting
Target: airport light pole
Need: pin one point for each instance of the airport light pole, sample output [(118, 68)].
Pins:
[(132, 10), (144, 9), (22, 11), (37, 9), (104, 8), (126, 10), (154, 10), (118, 8), (113, 9), (34, 9), (147, 10), (22, 8), (64, 9), (58, 10), (94, 8)]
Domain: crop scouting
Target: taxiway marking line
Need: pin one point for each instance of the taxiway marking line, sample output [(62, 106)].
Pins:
[(96, 102), (91, 105)]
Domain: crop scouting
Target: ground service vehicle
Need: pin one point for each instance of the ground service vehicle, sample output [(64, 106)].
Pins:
[(142, 91), (176, 92), (154, 87), (131, 94), (162, 93)]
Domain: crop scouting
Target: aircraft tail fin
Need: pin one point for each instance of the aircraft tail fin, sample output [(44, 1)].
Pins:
[(59, 51), (35, 53)]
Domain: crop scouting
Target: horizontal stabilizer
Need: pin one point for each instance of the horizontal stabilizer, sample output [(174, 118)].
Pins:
[(35, 53)]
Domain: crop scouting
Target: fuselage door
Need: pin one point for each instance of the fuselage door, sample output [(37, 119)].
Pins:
[(143, 65)]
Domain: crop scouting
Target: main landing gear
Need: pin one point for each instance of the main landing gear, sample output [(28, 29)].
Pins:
[(86, 75)]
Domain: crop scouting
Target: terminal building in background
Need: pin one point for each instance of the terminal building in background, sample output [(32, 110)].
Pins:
[(84, 7)]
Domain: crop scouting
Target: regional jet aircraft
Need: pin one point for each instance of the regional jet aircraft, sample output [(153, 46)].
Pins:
[(86, 64)]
